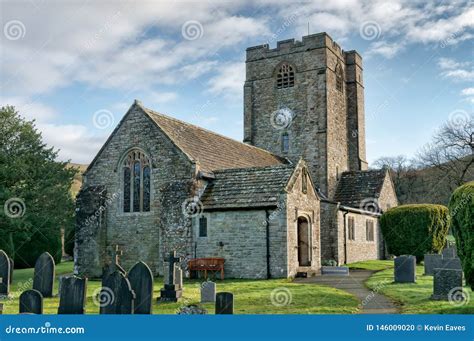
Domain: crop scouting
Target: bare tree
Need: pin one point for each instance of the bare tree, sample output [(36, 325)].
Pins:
[(451, 152)]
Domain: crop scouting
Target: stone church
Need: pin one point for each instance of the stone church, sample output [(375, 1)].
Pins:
[(294, 194)]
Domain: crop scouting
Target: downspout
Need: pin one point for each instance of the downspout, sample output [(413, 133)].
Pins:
[(267, 229), (345, 236)]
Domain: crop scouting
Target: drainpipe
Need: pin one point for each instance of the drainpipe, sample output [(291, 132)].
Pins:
[(345, 236), (267, 228)]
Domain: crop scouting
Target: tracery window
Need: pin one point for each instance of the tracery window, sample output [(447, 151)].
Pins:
[(136, 182), (285, 76)]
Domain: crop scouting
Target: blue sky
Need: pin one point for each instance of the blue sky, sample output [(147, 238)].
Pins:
[(77, 66)]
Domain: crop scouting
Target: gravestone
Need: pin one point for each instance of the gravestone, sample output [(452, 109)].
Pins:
[(449, 252), (72, 295), (444, 281), (405, 269), (116, 295), (43, 280), (5, 273), (171, 292), (208, 292), (12, 267), (115, 263), (141, 281), (451, 263), (224, 303), (31, 302), (432, 261)]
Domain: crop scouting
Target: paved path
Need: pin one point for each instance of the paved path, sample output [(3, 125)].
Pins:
[(372, 302)]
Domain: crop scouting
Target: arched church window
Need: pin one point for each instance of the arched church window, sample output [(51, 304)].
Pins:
[(285, 76), (339, 78), (136, 182)]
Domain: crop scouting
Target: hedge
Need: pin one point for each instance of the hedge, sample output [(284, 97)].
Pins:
[(415, 229), (461, 209)]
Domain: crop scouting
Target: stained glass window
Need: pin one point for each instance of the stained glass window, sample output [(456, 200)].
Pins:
[(136, 182)]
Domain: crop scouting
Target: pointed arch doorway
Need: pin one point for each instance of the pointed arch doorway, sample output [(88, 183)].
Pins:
[(304, 242)]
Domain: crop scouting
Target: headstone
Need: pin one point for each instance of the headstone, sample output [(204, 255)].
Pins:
[(12, 267), (224, 303), (449, 252), (432, 261), (141, 281), (31, 302), (405, 269), (43, 280), (171, 292), (451, 263), (444, 281), (72, 295), (5, 273), (116, 295), (208, 292)]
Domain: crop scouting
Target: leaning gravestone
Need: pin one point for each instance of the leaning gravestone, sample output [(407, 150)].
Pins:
[(72, 295), (445, 281), (12, 267), (5, 273), (31, 302), (432, 261), (116, 295), (43, 280), (208, 292), (141, 281), (405, 269), (224, 303)]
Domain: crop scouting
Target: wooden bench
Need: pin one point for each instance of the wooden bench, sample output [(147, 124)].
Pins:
[(207, 264)]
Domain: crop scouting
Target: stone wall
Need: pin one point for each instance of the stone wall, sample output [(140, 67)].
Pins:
[(141, 236)]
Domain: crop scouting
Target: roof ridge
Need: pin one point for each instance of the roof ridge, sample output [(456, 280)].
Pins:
[(148, 111)]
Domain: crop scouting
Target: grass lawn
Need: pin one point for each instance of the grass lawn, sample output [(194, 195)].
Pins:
[(414, 298), (374, 265), (251, 296)]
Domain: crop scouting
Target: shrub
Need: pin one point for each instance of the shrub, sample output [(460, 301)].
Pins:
[(461, 209), (415, 229)]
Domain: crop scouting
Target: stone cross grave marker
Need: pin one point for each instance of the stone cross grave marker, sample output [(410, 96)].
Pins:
[(208, 292), (171, 291), (141, 281), (224, 303), (5, 274), (445, 282), (432, 261), (72, 295), (43, 280), (405, 269), (31, 302), (116, 295)]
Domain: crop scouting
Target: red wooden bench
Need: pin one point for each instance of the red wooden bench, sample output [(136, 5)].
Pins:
[(207, 264)]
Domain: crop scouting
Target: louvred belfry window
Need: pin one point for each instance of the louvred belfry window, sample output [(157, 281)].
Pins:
[(136, 182), (285, 76)]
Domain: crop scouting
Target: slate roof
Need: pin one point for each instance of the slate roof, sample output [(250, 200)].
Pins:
[(246, 187), (210, 150), (355, 187)]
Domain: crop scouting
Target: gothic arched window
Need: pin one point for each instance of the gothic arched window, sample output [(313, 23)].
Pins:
[(339, 78), (136, 182), (285, 76)]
